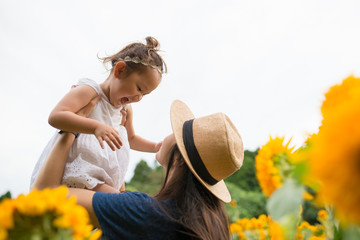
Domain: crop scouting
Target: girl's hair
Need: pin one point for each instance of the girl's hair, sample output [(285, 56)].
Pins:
[(146, 53), (197, 210)]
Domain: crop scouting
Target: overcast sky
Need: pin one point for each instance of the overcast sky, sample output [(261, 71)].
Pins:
[(266, 64)]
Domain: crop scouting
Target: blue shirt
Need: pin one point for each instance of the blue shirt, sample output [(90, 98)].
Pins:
[(132, 215)]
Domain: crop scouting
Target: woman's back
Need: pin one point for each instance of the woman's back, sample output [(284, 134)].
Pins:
[(134, 215)]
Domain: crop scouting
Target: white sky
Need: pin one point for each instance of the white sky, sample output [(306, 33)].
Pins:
[(266, 64)]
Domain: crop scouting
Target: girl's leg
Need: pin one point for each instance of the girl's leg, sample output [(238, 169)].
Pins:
[(105, 188), (122, 188)]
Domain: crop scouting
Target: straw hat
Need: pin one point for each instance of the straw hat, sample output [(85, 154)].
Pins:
[(210, 145)]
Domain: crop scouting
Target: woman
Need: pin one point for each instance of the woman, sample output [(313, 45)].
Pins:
[(197, 156)]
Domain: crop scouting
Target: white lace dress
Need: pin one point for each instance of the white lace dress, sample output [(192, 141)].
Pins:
[(88, 164)]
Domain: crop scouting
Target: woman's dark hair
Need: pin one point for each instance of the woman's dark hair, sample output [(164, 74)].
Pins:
[(197, 210), (146, 53)]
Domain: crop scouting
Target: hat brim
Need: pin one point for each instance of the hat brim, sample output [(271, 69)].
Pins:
[(179, 113)]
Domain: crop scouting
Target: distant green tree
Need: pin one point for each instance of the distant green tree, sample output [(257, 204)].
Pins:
[(245, 178), (245, 203), (5, 195), (141, 172), (146, 179)]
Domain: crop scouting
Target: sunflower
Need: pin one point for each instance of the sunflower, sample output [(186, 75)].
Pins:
[(273, 164), (335, 154), (340, 94), (45, 214)]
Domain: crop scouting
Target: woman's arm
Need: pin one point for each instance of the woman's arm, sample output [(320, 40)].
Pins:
[(51, 173), (136, 142)]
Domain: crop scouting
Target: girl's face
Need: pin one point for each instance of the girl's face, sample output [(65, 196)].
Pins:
[(163, 155), (132, 88)]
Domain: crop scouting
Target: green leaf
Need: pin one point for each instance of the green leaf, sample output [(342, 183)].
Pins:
[(284, 206), (286, 200), (338, 233), (351, 232), (300, 171)]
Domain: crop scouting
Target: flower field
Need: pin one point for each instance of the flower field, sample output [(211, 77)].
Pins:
[(324, 171)]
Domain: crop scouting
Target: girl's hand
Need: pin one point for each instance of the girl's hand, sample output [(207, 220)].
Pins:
[(158, 146), (123, 120), (109, 135)]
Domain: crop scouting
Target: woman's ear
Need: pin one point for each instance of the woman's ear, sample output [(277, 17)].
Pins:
[(179, 160), (119, 68)]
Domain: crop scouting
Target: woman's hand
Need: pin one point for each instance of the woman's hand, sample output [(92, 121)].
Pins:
[(85, 111)]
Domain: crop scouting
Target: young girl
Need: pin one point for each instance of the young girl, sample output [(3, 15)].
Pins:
[(136, 71)]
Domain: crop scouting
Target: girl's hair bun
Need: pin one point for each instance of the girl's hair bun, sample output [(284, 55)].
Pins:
[(152, 43), (145, 55)]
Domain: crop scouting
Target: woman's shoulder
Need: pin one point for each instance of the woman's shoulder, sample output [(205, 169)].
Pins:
[(132, 215), (122, 198), (136, 201)]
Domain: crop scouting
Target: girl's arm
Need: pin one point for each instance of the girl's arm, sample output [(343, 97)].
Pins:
[(64, 117), (136, 142), (51, 173)]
